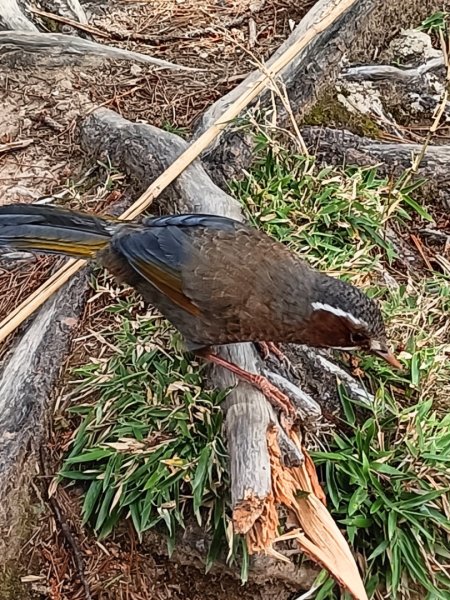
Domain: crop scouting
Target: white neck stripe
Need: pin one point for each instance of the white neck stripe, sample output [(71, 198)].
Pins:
[(338, 312)]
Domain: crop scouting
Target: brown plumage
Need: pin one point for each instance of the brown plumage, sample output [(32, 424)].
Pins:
[(217, 280)]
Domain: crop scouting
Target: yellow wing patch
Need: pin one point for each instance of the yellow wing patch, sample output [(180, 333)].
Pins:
[(83, 249), (168, 284)]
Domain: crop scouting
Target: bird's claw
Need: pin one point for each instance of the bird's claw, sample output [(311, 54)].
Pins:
[(275, 396), (268, 348)]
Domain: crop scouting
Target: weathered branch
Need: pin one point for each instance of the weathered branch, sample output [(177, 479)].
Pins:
[(338, 145), (28, 48), (391, 73), (27, 376), (308, 409), (11, 17)]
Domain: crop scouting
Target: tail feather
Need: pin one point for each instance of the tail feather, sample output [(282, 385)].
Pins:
[(54, 230)]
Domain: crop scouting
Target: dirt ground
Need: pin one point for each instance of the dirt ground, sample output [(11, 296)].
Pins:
[(223, 40), (116, 568)]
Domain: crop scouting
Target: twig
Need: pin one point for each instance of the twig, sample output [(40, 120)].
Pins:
[(194, 33), (75, 24), (66, 530), (418, 244), (436, 233), (17, 145), (279, 89), (252, 35), (143, 37), (308, 409)]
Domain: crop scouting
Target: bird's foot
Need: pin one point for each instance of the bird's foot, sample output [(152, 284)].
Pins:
[(275, 396), (267, 348)]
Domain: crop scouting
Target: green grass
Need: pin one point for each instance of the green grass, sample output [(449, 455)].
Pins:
[(171, 128), (387, 479), (154, 432), (149, 445), (435, 23)]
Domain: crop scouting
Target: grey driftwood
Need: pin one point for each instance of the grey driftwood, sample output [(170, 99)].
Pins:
[(339, 146), (28, 48)]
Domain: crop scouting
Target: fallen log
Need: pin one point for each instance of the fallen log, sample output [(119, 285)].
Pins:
[(27, 376)]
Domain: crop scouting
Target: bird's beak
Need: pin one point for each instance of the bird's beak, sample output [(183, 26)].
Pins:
[(383, 352)]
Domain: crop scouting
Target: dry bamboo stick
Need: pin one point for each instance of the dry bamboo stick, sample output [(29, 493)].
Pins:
[(330, 13)]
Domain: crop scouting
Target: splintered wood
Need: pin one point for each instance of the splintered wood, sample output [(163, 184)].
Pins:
[(297, 491)]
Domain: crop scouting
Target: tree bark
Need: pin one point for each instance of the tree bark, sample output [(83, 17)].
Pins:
[(11, 17), (71, 9), (338, 146), (28, 374)]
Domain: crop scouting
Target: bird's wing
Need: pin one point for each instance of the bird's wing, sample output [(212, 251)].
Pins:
[(160, 251)]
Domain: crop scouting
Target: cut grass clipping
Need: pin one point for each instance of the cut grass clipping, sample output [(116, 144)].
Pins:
[(149, 445)]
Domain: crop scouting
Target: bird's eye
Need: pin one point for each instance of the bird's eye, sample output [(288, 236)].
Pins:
[(358, 338)]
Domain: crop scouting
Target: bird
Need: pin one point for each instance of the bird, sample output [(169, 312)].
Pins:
[(217, 280)]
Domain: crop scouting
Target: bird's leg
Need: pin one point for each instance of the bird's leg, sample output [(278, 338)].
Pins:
[(273, 394), (266, 348), (263, 349)]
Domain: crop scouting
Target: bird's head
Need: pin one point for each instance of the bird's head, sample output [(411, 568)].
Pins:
[(344, 318)]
